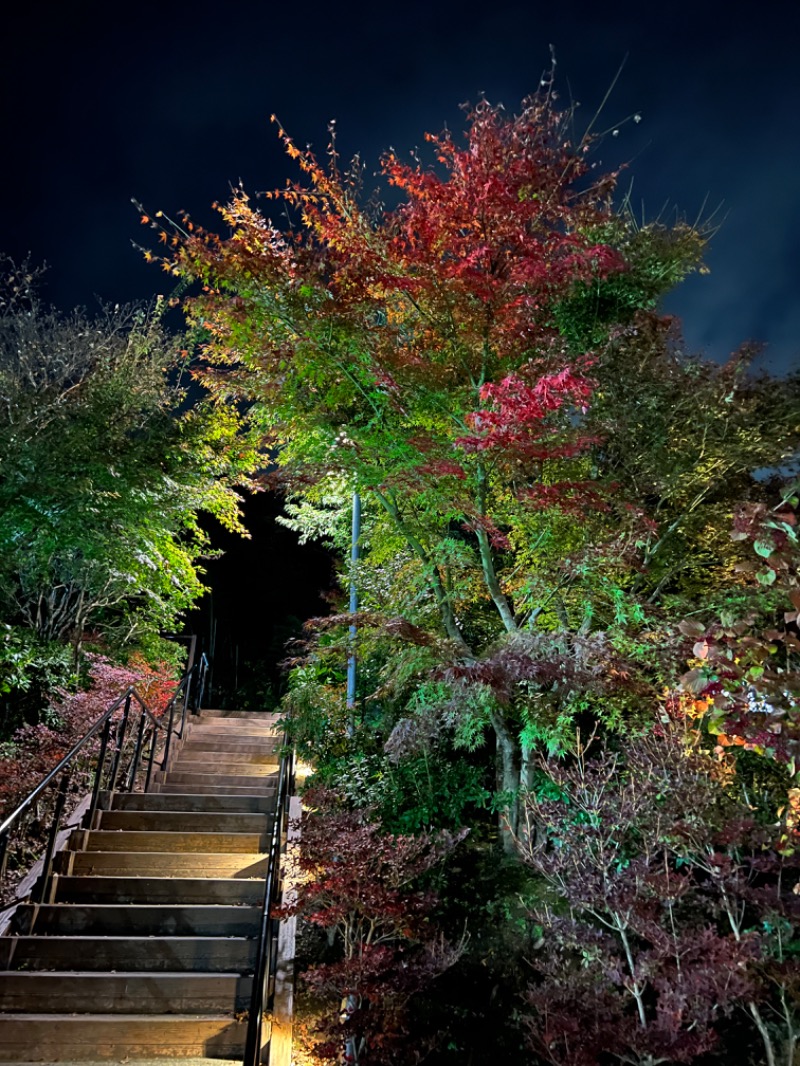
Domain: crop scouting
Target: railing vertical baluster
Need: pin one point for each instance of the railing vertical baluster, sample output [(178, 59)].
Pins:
[(265, 963), (121, 728), (201, 684), (98, 774), (137, 750), (109, 731), (47, 866), (186, 693), (169, 734), (151, 759)]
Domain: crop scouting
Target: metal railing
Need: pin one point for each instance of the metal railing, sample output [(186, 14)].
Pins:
[(266, 950), (118, 751)]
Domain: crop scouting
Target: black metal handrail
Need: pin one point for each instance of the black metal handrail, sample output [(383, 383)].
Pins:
[(113, 728), (266, 954)]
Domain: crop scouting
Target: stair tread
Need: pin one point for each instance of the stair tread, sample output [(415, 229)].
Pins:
[(169, 841), (122, 938), (216, 790), (180, 854), (151, 877), (77, 886), (115, 1019), (160, 907), (128, 1061), (135, 975)]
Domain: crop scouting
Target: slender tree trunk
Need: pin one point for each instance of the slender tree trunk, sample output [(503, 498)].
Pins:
[(499, 598), (527, 829), (508, 747), (509, 753), (764, 1033)]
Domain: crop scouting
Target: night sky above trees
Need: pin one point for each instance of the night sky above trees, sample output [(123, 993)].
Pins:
[(170, 104)]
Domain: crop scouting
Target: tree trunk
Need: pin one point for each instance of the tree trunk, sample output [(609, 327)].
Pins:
[(527, 829), (492, 583), (509, 755), (499, 598)]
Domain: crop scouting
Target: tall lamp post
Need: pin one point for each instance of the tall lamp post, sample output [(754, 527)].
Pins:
[(351, 658), (351, 1002)]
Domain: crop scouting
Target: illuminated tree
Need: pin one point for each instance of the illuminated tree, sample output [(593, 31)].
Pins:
[(439, 357), (105, 467)]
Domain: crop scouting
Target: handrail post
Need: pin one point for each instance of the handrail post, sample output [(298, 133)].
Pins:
[(187, 690), (151, 759), (121, 729), (264, 953), (47, 866), (168, 743), (98, 774), (200, 687), (4, 838), (137, 751)]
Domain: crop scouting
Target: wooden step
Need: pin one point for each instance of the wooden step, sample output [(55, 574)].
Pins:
[(158, 903), (124, 993), (185, 821), (154, 919), (160, 864), (53, 1038), (229, 745), (241, 803), (207, 891), (128, 953), (191, 759), (221, 768), (268, 790), (261, 716), (190, 779), (169, 841), (229, 727)]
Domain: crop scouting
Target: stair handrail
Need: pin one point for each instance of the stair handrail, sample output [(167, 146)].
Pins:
[(266, 960), (105, 723)]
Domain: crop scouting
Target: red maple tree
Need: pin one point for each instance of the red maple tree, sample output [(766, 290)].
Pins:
[(424, 354)]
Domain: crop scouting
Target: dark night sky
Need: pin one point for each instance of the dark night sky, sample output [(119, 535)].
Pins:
[(170, 103)]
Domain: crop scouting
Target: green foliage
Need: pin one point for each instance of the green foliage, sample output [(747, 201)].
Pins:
[(30, 671), (428, 791), (658, 257), (106, 463)]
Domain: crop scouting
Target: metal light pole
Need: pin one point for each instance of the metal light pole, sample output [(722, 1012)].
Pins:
[(351, 658), (351, 1002)]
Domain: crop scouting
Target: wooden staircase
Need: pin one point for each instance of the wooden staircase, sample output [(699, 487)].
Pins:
[(145, 948)]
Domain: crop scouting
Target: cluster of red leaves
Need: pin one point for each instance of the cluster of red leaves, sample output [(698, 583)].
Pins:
[(566, 662), (501, 229), (364, 884), (451, 290), (570, 497), (35, 749), (518, 418)]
